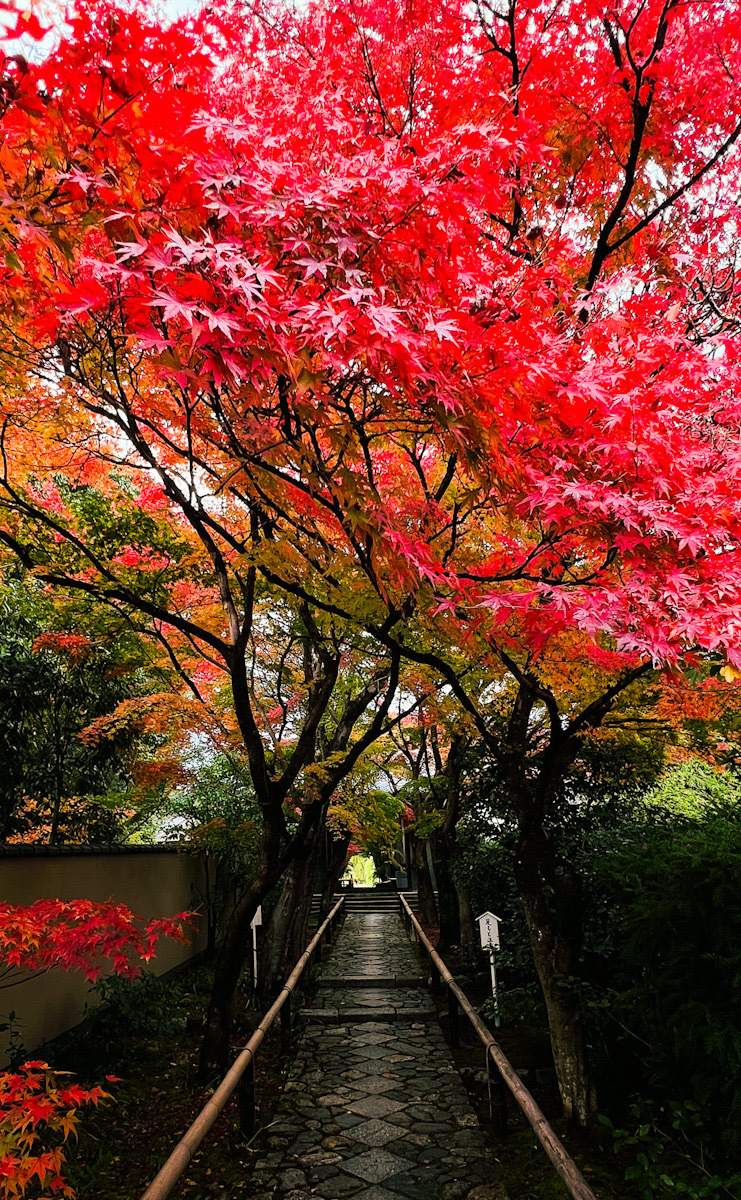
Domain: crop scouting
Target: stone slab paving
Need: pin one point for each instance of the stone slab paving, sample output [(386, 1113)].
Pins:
[(397, 1000), (374, 1109), (372, 945), (372, 972)]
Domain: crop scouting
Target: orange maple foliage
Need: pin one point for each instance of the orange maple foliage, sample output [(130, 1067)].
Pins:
[(80, 821), (36, 1104)]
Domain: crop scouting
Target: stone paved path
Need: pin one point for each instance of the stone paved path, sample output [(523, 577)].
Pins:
[(374, 1108)]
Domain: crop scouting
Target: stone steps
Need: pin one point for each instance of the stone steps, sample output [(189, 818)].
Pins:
[(367, 900), (374, 1108), (374, 981), (376, 978), (355, 1016)]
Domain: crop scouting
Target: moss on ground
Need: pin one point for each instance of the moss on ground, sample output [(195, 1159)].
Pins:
[(124, 1142)]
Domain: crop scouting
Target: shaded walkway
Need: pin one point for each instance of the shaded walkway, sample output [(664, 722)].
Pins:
[(374, 1108)]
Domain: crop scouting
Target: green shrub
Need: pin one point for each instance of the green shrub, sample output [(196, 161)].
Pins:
[(664, 1147), (660, 969), (129, 1010), (674, 882)]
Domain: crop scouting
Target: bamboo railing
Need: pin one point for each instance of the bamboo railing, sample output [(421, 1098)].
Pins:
[(503, 1073), (240, 1075)]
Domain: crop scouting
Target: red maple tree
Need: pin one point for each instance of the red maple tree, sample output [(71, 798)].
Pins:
[(38, 1105)]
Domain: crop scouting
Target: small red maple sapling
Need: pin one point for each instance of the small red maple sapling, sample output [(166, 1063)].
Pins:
[(36, 1104)]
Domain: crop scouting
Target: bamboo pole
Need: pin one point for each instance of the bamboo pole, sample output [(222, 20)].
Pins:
[(167, 1177), (543, 1130)]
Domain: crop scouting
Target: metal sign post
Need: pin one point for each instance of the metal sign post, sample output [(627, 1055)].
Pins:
[(488, 924), (256, 920)]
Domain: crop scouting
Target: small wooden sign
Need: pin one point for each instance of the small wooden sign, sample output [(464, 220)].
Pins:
[(488, 924)]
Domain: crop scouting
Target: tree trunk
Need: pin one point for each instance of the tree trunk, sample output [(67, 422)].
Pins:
[(336, 859), (54, 834), (465, 916), (555, 937), (427, 904), (450, 929), (285, 940), (210, 902), (236, 942), (279, 849), (227, 969), (56, 807)]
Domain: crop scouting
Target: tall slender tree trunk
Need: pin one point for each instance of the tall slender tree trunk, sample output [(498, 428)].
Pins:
[(550, 892), (210, 902), (336, 859), (465, 918), (227, 969), (54, 834), (425, 892), (279, 850), (447, 896), (453, 922), (56, 802), (285, 940), (235, 945)]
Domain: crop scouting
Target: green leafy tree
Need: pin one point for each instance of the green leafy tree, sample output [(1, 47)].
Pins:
[(217, 812), (659, 973), (613, 770), (54, 681)]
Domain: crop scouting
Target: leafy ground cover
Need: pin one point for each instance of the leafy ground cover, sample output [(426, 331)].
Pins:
[(150, 1032), (657, 1155)]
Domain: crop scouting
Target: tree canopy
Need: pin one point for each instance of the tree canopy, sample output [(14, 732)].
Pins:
[(422, 316)]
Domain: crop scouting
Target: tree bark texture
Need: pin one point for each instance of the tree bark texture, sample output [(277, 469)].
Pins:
[(428, 913), (214, 1054), (450, 928), (336, 859), (286, 936), (466, 921), (551, 898)]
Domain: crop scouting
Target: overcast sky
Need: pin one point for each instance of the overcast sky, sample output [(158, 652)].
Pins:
[(51, 11)]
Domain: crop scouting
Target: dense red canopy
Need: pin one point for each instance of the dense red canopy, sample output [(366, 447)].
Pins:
[(451, 298)]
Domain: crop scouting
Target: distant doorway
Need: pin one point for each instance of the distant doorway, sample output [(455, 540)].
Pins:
[(360, 872)]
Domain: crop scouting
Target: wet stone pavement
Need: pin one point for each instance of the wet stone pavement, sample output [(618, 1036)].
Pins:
[(374, 1108)]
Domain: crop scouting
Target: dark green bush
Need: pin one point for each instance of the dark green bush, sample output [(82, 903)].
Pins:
[(660, 970), (128, 1011), (672, 880)]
